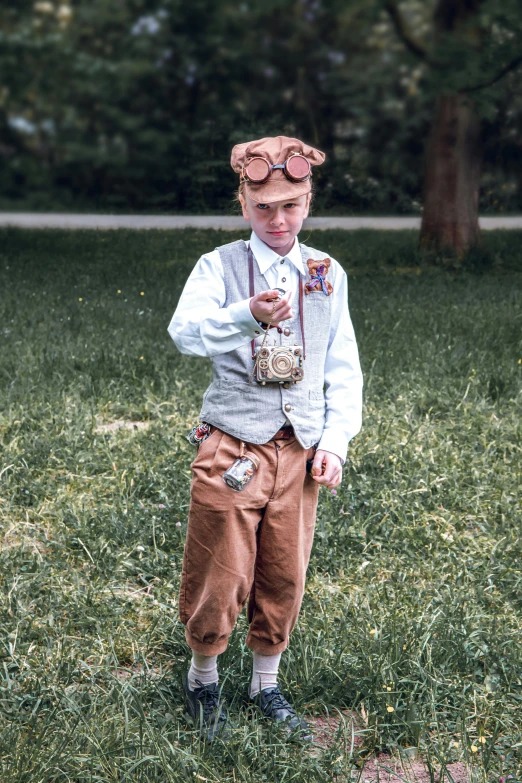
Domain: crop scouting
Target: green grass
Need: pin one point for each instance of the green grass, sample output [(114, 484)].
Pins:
[(414, 596)]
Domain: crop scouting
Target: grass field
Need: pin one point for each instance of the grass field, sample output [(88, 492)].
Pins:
[(412, 617)]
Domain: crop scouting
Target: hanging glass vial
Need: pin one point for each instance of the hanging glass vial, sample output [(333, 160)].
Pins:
[(242, 470)]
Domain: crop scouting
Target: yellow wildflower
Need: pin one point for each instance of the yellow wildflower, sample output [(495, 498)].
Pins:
[(389, 708)]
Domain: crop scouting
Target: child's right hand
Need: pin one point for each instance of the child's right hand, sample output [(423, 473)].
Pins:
[(261, 306)]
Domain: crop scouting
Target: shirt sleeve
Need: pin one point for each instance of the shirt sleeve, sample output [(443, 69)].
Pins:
[(201, 325), (343, 377)]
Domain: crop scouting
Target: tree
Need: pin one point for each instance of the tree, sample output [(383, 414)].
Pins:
[(136, 105), (474, 44)]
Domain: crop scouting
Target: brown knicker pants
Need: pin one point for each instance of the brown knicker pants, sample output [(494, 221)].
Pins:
[(251, 545)]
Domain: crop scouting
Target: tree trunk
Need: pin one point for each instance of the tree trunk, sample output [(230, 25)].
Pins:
[(452, 177)]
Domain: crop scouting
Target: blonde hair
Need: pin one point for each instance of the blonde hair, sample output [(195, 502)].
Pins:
[(240, 192)]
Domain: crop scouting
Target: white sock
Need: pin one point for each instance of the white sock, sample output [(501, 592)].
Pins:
[(264, 672), (202, 668)]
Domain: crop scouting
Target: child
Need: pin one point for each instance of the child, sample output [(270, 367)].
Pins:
[(273, 316)]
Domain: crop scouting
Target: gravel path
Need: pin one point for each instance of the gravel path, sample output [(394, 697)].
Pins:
[(42, 220)]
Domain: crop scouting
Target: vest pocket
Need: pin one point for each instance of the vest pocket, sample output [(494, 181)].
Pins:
[(236, 385)]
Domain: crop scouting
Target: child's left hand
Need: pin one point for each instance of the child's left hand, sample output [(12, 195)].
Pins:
[(327, 468)]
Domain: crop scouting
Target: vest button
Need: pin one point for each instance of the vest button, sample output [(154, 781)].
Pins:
[(288, 407), (286, 332)]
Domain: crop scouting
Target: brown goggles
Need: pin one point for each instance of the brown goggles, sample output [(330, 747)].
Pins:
[(296, 168)]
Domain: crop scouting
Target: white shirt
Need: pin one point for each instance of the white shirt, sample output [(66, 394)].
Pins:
[(202, 326)]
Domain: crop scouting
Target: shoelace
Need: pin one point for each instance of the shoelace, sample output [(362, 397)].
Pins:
[(208, 696), (277, 701)]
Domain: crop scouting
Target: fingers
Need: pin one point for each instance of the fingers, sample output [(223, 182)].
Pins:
[(283, 309), (327, 469), (267, 305), (261, 305), (269, 296), (336, 479), (317, 465)]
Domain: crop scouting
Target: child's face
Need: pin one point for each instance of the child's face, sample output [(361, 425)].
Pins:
[(277, 224)]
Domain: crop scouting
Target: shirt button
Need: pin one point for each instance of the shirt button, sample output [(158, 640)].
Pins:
[(282, 261), (284, 279), (256, 332), (288, 407), (286, 332)]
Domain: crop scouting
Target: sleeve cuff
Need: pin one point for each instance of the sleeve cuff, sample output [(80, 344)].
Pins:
[(243, 319), (331, 441)]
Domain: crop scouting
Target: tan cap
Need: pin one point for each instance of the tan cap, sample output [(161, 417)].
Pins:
[(275, 149)]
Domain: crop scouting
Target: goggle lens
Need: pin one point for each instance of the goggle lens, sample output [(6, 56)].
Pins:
[(257, 170), (297, 167)]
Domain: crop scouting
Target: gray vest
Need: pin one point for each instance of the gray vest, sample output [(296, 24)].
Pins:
[(254, 413)]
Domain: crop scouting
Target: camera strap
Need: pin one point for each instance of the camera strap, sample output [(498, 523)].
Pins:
[(252, 293)]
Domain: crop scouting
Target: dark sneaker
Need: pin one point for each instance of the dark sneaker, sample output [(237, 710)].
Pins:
[(205, 707), (274, 706)]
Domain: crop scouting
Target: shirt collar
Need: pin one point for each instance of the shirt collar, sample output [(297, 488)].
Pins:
[(265, 256)]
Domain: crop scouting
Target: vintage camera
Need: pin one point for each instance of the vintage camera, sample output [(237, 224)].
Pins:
[(279, 364)]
